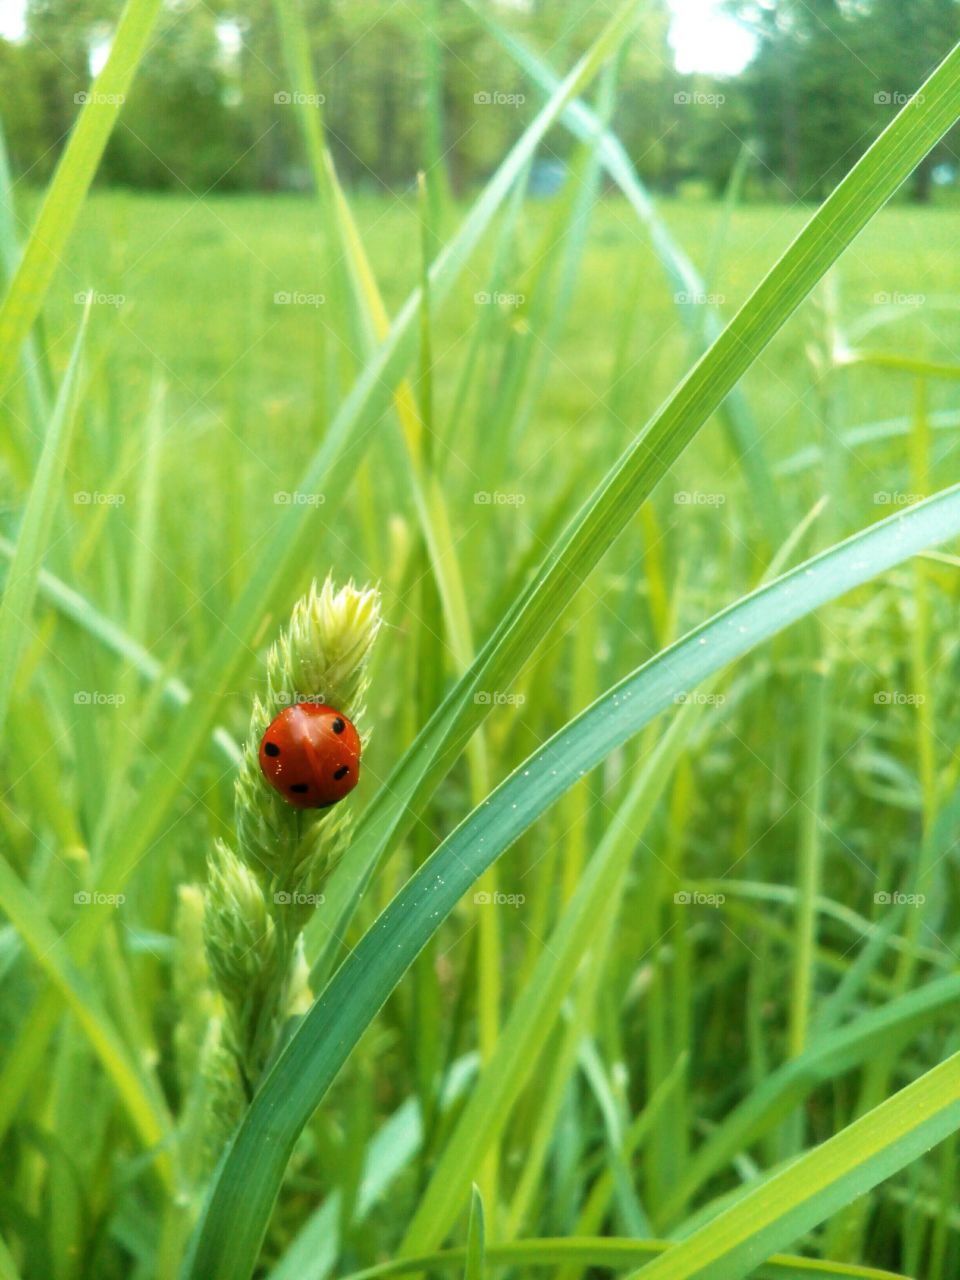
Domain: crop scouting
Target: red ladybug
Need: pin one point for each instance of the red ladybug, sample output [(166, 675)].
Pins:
[(311, 754)]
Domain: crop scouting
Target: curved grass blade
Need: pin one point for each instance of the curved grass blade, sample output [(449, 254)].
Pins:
[(248, 1179), (20, 587), (531, 1019), (281, 565), (77, 608), (144, 1103), (824, 1180), (871, 182), (690, 290), (476, 1240), (68, 189), (612, 1253), (292, 544), (315, 1248), (784, 1088)]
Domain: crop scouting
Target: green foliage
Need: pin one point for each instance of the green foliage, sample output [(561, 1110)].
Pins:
[(604, 462), (399, 86)]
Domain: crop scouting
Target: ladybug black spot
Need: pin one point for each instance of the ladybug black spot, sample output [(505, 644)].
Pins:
[(342, 772), (301, 788), (271, 749), (338, 725)]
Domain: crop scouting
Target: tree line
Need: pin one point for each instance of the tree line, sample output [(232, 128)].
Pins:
[(424, 85)]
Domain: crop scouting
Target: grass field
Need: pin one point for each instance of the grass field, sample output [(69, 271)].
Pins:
[(726, 943)]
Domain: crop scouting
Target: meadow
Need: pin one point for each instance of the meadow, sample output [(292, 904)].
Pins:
[(640, 954)]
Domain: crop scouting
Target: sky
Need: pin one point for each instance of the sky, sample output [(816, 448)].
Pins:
[(703, 38), (706, 39)]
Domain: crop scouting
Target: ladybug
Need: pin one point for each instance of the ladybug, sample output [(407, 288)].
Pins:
[(311, 754)]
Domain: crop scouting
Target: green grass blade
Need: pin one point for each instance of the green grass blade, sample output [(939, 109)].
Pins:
[(610, 1253), (68, 189), (291, 546), (280, 568), (476, 1240), (832, 228), (535, 1011), (20, 589), (8, 1269), (783, 1089), (690, 289), (143, 1103), (77, 609), (314, 1250), (824, 1180), (249, 1176)]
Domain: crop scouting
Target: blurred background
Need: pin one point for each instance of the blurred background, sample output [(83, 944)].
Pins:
[(799, 81), (793, 884)]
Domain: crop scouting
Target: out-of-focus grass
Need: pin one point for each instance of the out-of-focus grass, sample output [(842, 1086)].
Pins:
[(205, 388)]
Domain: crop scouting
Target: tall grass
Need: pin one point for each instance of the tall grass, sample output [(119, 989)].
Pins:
[(700, 1012)]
